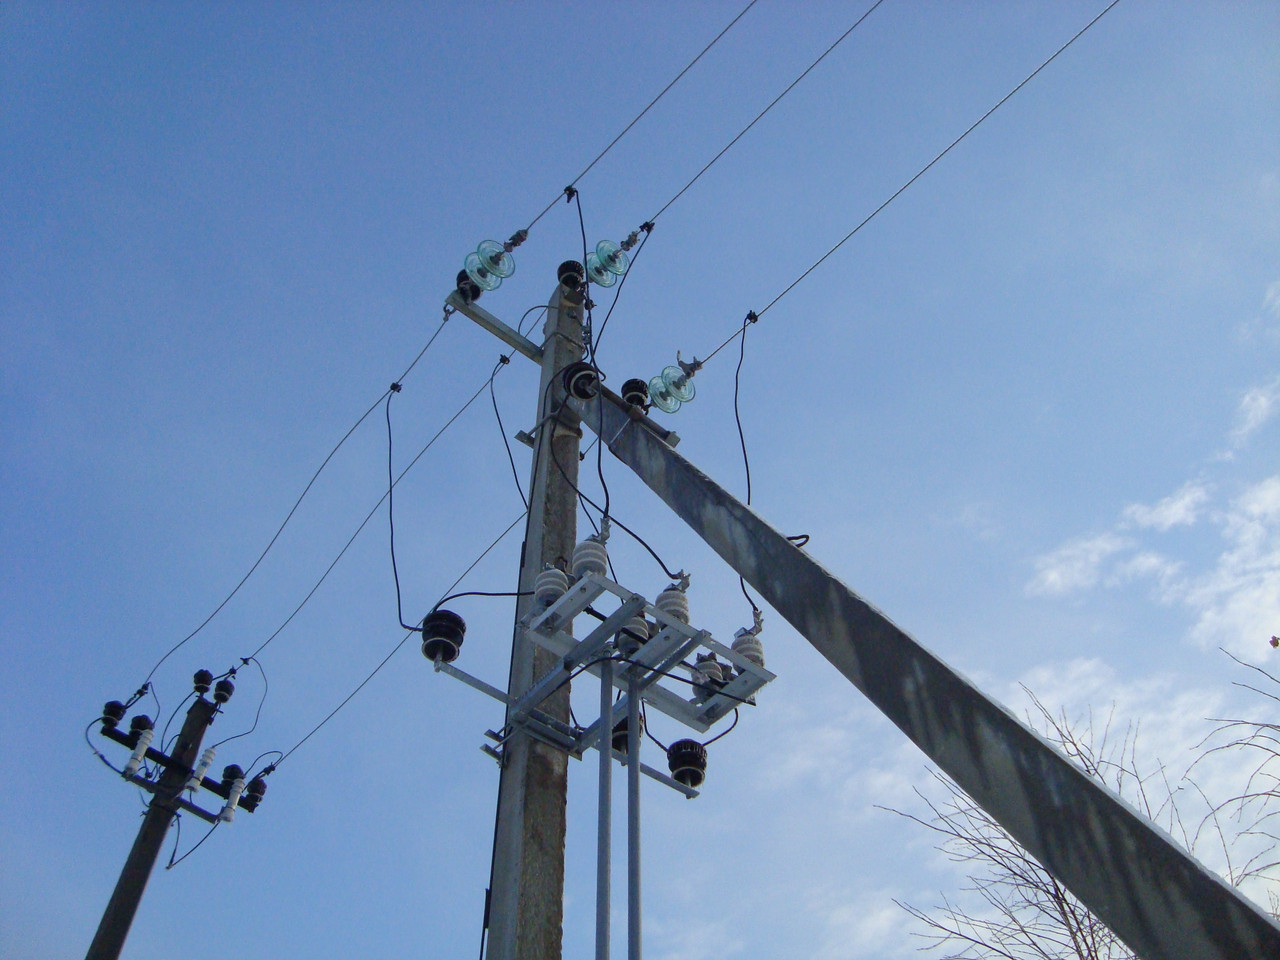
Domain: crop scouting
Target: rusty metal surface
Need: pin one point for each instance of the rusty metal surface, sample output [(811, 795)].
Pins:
[(1162, 902)]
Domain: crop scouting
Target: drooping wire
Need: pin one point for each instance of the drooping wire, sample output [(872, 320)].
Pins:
[(482, 593), (759, 116), (742, 439), (98, 753), (707, 743), (920, 173), (173, 863), (506, 443), (396, 649), (369, 516), (292, 510), (391, 507), (648, 107), (591, 353), (618, 292), (261, 700)]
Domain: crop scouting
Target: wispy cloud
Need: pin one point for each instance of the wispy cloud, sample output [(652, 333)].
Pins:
[(1075, 565), (1257, 407), (1178, 509)]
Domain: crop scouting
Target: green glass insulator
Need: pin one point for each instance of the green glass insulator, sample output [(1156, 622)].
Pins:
[(598, 273), (612, 257), (660, 395), (484, 278), (495, 259), (679, 384)]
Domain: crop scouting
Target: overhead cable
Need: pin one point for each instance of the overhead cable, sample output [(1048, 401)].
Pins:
[(638, 116), (396, 649), (773, 103), (376, 506), (292, 510), (922, 171)]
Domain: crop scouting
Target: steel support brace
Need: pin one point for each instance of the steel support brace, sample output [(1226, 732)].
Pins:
[(1157, 898)]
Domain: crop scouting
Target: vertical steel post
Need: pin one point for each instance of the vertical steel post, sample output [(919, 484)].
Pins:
[(604, 827), (527, 888), (123, 905), (633, 820)]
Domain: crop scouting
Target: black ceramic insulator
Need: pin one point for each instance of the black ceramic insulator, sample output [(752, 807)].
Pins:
[(570, 274), (231, 773), (202, 681), (619, 737), (636, 393), (223, 690), (140, 722), (581, 381), (442, 634), (687, 760), (468, 288), (112, 713)]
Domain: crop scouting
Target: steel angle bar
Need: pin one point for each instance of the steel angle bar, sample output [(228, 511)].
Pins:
[(469, 308), (1156, 897)]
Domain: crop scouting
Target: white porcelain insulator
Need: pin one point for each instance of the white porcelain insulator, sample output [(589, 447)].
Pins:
[(206, 761), (139, 752), (638, 626), (674, 602), (229, 811), (551, 584), (711, 668), (590, 556), (749, 646)]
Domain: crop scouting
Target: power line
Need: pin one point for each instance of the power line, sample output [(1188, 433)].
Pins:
[(638, 116), (396, 649), (292, 510), (710, 163), (923, 170), (369, 515)]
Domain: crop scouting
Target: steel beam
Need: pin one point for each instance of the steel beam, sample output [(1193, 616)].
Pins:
[(1156, 897)]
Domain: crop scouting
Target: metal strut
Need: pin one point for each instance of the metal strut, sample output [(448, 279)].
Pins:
[(1156, 897)]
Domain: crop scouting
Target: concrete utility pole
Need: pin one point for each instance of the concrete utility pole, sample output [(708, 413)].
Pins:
[(527, 889), (114, 928)]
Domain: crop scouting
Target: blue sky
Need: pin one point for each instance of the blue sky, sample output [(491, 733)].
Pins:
[(1029, 412)]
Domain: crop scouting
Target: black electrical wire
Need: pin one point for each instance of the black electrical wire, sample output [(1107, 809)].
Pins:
[(759, 116), (292, 510), (369, 516), (165, 732), (636, 119), (591, 352), (520, 324), (269, 767), (622, 282), (396, 649), (261, 700), (391, 508), (644, 724), (742, 439), (506, 443), (173, 863), (98, 753), (614, 520), (707, 743), (922, 171)]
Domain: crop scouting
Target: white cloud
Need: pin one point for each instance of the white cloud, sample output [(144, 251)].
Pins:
[(1075, 565), (1257, 407), (856, 926), (1178, 509), (1237, 602)]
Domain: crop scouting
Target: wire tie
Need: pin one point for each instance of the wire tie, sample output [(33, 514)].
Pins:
[(504, 359), (569, 193), (395, 388), (751, 316), (647, 226)]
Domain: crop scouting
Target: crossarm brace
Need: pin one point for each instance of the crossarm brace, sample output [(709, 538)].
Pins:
[(1157, 898)]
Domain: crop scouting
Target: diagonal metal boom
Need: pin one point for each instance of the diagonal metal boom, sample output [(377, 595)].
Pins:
[(1157, 898)]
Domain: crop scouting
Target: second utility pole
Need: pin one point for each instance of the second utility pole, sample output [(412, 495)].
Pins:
[(527, 889)]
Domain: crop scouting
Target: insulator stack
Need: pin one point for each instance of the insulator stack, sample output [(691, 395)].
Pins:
[(674, 602), (687, 760), (202, 681), (710, 674), (590, 556), (549, 586), (254, 792), (747, 643), (112, 713)]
